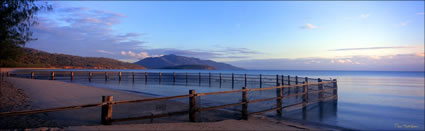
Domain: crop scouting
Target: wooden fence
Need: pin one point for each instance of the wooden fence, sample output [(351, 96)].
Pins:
[(201, 79), (107, 101)]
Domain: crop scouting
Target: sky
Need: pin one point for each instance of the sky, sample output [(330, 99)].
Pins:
[(275, 35)]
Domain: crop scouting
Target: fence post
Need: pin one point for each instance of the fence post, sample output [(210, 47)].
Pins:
[(186, 78), (296, 80), (320, 89), (106, 115), (7, 74), (174, 77), (245, 105), (261, 81), (90, 76), (279, 100), (146, 77), (245, 81), (209, 78), (106, 76), (53, 75), (160, 77), (277, 79), (32, 75), (192, 106), (305, 99), (133, 76), (282, 81), (120, 75), (220, 79), (233, 80), (199, 78), (289, 80), (72, 76), (335, 91)]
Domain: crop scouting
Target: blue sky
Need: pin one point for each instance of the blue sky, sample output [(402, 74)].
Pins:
[(357, 35)]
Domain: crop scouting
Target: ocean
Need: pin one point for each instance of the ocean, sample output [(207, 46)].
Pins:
[(367, 100)]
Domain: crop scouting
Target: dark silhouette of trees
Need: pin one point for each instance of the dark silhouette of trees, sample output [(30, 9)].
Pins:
[(16, 18)]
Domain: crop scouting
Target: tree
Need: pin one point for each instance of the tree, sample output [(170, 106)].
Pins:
[(16, 18)]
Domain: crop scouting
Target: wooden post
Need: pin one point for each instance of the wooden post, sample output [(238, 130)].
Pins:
[(106, 76), (133, 75), (120, 76), (246, 84), (209, 78), (72, 76), (146, 77), (233, 80), (32, 75), (220, 79), (106, 115), (53, 75), (335, 91), (174, 77), (289, 80), (282, 81), (244, 106), (186, 78), (320, 89), (277, 79), (160, 77), (305, 99), (90, 76), (320, 99), (296, 80), (199, 78), (192, 106), (279, 101), (7, 74), (261, 81)]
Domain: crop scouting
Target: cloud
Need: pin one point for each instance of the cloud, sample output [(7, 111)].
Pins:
[(309, 26), (396, 62), (364, 16), (369, 48), (105, 52), (420, 13), (86, 32), (81, 30)]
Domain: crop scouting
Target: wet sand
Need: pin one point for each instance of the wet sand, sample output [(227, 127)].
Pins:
[(47, 94)]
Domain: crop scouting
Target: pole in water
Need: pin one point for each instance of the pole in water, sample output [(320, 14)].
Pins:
[(233, 80)]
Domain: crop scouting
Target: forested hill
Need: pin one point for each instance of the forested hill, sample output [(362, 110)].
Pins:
[(172, 60), (36, 58)]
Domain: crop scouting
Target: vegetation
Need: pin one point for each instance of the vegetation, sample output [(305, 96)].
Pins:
[(172, 60), (198, 67), (16, 18), (36, 58)]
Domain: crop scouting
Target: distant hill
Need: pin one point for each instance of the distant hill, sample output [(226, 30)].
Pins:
[(36, 58), (198, 67), (174, 60)]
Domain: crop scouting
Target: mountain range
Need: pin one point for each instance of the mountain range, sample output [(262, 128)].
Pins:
[(36, 58), (173, 60)]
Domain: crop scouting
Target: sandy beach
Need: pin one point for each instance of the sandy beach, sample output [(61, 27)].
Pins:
[(41, 94)]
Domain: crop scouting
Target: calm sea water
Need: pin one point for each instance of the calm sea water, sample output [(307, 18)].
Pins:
[(367, 100)]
